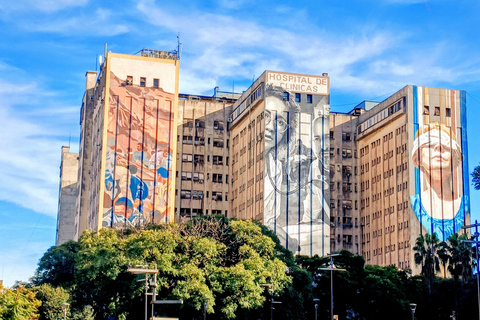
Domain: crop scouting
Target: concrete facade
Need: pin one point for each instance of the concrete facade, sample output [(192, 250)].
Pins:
[(344, 182), (413, 172), (203, 156), (369, 181), (67, 196)]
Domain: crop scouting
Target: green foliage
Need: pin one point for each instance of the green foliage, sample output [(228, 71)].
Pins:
[(56, 267), (426, 248), (18, 303), (53, 301), (476, 178), (224, 261)]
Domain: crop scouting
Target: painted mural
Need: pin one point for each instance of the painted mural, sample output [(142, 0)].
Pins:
[(139, 155), (296, 194), (441, 199)]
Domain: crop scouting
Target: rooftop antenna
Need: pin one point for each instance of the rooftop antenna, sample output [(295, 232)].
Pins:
[(105, 50), (253, 79), (179, 46)]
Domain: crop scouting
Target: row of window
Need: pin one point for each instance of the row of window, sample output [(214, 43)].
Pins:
[(217, 125), (192, 212), (143, 82), (426, 111), (199, 177), (200, 159), (200, 141), (198, 195), (385, 113)]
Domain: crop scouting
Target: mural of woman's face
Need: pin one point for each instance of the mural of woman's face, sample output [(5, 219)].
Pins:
[(436, 156), (274, 128)]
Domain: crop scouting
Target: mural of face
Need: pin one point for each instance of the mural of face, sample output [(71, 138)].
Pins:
[(317, 137), (273, 127), (436, 157)]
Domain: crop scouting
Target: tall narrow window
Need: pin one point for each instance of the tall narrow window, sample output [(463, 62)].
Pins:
[(143, 81), (156, 83), (298, 97)]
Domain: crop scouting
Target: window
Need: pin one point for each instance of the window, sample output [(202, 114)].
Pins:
[(187, 140), (199, 141), (346, 136), (216, 177), (186, 176), (129, 81), (437, 111), (187, 158), (185, 194), (156, 83), (143, 81), (448, 112), (197, 195), (346, 153), (218, 143), (217, 160), (217, 196), (198, 177), (298, 97), (199, 124), (309, 98), (286, 96), (198, 158), (218, 125)]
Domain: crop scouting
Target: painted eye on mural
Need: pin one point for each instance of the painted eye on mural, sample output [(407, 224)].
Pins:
[(280, 126)]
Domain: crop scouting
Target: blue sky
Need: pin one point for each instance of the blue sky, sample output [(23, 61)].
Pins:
[(370, 49)]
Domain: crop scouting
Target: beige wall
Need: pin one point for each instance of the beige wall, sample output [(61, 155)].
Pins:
[(200, 139), (344, 186), (67, 197)]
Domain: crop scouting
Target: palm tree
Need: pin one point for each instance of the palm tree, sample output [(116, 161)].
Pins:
[(426, 255), (460, 261), (458, 255)]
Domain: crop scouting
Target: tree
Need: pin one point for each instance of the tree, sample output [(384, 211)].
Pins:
[(225, 261), (18, 304), (53, 301), (426, 254), (476, 178), (57, 266)]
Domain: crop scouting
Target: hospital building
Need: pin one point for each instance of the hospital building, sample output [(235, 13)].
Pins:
[(369, 181)]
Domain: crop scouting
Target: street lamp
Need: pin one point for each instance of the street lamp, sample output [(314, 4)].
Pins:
[(316, 301), (65, 309), (272, 300), (331, 267), (413, 306), (205, 305), (143, 269)]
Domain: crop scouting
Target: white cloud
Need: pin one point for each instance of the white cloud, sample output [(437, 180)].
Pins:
[(97, 23), (40, 5), (31, 125)]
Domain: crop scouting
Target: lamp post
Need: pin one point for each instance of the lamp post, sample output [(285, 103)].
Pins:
[(316, 301), (65, 306), (331, 267), (205, 305), (143, 269), (413, 306)]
